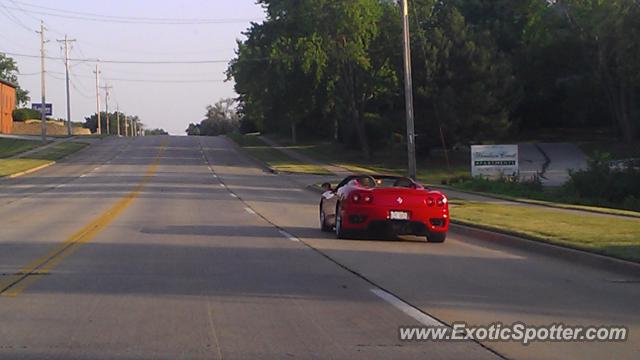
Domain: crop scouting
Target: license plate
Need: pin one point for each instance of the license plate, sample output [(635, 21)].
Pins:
[(399, 215)]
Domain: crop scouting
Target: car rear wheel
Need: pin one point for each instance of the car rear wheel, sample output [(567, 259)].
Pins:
[(436, 237), (323, 220), (340, 232)]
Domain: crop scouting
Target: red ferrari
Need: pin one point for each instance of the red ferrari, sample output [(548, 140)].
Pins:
[(384, 204)]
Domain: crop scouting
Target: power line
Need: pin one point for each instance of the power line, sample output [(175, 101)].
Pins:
[(17, 7), (77, 15), (5, 10), (132, 80), (142, 62), (167, 81)]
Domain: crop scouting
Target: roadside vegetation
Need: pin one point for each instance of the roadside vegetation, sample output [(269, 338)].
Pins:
[(39, 158), (617, 237), (126, 123), (274, 158), (484, 72), (597, 189), (12, 147), (327, 76), (599, 186), (221, 118)]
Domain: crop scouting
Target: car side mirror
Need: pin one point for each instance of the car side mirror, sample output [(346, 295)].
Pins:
[(326, 187)]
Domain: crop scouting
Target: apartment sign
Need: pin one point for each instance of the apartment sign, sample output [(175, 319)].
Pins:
[(494, 161)]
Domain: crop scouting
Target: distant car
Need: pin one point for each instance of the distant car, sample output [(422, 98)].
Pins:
[(384, 204)]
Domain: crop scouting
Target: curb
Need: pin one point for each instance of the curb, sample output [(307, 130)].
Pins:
[(26, 172), (537, 246)]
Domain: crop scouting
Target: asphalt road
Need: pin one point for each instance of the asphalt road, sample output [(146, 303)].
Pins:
[(183, 248)]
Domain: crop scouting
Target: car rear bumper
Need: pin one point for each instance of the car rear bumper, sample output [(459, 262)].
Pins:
[(421, 222)]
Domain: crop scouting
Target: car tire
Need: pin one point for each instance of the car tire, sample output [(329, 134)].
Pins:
[(437, 237), (323, 221), (340, 232)]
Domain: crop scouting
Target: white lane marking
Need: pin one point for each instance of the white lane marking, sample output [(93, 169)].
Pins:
[(84, 175), (422, 318), (233, 195), (223, 186), (289, 236), (249, 210)]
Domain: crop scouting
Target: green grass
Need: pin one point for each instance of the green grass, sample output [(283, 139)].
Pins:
[(14, 166), (275, 159), (533, 194), (12, 147), (615, 237), (393, 161), (57, 151), (39, 158)]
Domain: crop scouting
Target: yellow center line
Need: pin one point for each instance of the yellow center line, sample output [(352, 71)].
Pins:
[(16, 284)]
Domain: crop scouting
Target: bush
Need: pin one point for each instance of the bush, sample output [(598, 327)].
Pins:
[(504, 186), (599, 181), (25, 114)]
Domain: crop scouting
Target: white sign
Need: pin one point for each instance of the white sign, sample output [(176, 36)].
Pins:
[(494, 161)]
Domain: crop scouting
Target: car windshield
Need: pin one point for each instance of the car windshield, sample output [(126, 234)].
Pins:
[(388, 182)]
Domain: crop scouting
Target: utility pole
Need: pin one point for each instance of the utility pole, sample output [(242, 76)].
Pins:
[(106, 101), (66, 42), (118, 118), (97, 72), (408, 90), (43, 108)]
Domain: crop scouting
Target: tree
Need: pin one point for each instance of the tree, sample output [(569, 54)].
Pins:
[(193, 130), (91, 122), (464, 84), (155, 132), (9, 72), (483, 69), (604, 35), (310, 60), (221, 118)]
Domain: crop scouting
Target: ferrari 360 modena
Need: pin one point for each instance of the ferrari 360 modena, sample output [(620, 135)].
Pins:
[(385, 205)]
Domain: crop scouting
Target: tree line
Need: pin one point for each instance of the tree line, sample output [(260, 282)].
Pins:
[(125, 123), (483, 70), (221, 118)]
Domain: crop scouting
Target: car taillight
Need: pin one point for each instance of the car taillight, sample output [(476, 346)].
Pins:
[(355, 198), (442, 201), (368, 199), (430, 202)]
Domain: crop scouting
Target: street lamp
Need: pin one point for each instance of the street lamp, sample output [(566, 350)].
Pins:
[(408, 90)]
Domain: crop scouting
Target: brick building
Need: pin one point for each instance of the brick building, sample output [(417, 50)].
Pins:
[(7, 105)]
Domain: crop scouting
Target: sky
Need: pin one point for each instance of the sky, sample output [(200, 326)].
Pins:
[(158, 93)]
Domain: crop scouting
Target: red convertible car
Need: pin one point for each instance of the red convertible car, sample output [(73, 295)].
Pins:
[(384, 204)]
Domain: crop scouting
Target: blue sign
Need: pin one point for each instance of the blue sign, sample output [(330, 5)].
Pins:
[(48, 108)]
